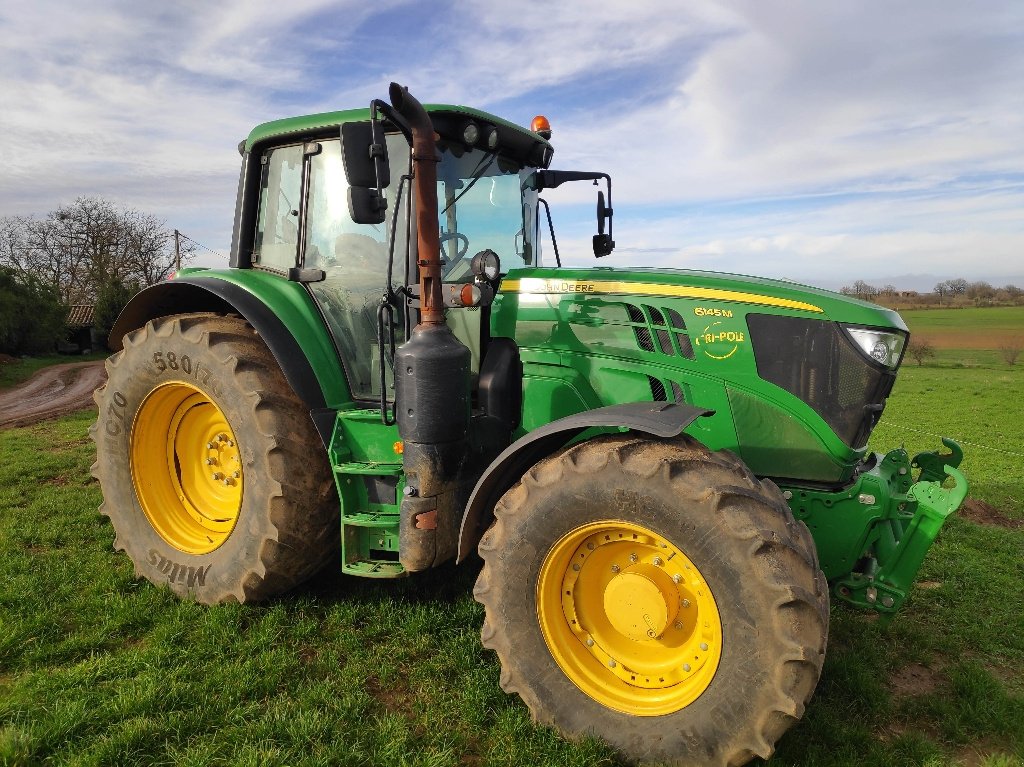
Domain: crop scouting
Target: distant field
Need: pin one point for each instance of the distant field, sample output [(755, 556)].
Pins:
[(984, 328)]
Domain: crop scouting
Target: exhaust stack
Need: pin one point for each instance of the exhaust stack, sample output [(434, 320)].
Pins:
[(432, 378)]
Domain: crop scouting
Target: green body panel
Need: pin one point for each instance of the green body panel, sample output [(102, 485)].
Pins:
[(291, 302), (579, 332), (587, 320)]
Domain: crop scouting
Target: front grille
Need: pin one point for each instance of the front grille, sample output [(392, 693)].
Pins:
[(816, 361)]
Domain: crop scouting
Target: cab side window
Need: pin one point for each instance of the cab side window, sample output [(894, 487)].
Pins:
[(277, 228)]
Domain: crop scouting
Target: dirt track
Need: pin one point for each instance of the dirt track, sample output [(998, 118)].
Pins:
[(52, 392)]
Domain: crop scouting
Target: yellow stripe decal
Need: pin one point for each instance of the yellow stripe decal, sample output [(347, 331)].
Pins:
[(540, 286)]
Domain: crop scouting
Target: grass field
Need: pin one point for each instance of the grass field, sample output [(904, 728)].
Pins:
[(100, 668)]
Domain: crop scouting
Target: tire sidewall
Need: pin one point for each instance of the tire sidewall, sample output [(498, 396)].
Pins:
[(162, 358), (692, 525)]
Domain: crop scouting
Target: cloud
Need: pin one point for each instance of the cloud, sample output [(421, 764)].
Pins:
[(774, 134)]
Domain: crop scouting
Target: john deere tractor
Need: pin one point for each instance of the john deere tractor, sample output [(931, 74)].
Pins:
[(665, 472)]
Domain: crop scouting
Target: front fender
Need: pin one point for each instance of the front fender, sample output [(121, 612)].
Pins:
[(660, 419)]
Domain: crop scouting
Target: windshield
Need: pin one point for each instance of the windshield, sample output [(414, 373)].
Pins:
[(482, 204)]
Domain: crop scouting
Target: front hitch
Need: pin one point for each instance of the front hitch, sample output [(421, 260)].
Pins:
[(885, 575)]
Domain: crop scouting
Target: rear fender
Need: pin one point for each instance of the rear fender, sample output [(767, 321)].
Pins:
[(311, 366), (659, 419)]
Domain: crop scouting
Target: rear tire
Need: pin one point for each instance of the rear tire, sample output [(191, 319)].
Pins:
[(212, 472), (657, 596)]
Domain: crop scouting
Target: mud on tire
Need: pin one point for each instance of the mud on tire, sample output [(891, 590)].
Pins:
[(758, 562), (285, 515)]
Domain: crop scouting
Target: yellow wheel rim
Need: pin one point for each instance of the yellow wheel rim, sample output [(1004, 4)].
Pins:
[(629, 618), (186, 468)]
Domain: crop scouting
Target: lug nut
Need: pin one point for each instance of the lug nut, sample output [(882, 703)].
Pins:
[(228, 481), (211, 446), (231, 443), (686, 667), (590, 546), (221, 438), (590, 641), (575, 568), (237, 474), (657, 561), (686, 603), (211, 461), (633, 557), (677, 578), (611, 664), (615, 568), (678, 625), (704, 646), (217, 476)]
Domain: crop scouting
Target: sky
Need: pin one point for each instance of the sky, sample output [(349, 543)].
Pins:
[(821, 142)]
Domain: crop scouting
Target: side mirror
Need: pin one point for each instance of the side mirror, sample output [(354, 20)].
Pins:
[(366, 205), (365, 157), (603, 243)]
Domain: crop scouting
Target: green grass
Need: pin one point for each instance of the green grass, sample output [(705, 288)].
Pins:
[(98, 667), (13, 373)]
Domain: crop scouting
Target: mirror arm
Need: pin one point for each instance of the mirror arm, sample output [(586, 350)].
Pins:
[(549, 179), (378, 106), (551, 229)]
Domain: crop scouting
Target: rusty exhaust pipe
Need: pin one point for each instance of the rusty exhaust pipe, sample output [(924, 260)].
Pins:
[(428, 245)]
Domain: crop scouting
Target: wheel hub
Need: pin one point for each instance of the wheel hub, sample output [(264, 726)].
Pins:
[(186, 468), (639, 603), (629, 618)]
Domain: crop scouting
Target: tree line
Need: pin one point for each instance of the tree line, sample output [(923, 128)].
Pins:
[(980, 292), (88, 252)]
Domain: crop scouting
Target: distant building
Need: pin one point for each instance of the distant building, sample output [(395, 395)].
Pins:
[(81, 331)]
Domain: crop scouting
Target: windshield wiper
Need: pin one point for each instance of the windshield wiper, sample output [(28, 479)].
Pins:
[(477, 174)]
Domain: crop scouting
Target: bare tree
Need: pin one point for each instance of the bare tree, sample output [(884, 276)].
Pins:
[(958, 286), (861, 289), (81, 247), (941, 289), (1010, 350), (920, 349)]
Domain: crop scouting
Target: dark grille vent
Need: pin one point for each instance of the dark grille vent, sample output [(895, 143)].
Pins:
[(657, 389), (685, 347), (677, 320), (652, 320), (657, 317), (643, 338), (665, 342), (635, 315), (677, 392)]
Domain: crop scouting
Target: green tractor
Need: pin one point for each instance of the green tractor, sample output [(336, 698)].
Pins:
[(665, 472)]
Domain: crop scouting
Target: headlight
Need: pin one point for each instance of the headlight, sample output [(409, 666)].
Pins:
[(486, 264), (883, 347)]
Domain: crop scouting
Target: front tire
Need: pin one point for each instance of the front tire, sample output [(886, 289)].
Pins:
[(212, 472), (657, 596)]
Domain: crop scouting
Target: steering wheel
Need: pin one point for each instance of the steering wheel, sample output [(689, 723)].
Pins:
[(461, 246)]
